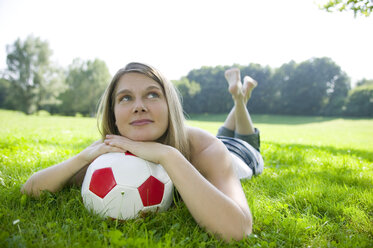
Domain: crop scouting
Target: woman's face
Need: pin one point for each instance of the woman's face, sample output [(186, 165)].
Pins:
[(140, 109)]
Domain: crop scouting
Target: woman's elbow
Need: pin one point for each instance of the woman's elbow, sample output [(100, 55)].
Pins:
[(32, 188), (238, 234), (247, 230), (244, 232), (27, 188)]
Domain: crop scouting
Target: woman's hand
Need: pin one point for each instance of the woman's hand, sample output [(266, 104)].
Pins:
[(96, 149), (57, 176), (150, 151)]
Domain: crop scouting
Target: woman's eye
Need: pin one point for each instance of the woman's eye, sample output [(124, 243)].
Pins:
[(125, 98), (153, 95)]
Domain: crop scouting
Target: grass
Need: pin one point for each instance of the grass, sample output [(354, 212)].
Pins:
[(315, 191)]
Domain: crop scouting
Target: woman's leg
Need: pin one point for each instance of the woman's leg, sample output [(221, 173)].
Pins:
[(238, 124), (234, 80), (239, 120)]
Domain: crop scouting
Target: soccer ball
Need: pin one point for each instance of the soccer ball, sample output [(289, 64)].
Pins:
[(121, 185)]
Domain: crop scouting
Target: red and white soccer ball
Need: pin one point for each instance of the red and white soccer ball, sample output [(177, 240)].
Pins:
[(120, 185)]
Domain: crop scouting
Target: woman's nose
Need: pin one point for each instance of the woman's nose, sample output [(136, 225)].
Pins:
[(139, 107)]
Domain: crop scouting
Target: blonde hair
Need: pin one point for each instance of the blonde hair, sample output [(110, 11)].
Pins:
[(175, 135)]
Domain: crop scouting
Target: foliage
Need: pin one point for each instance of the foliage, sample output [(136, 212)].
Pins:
[(35, 82), (310, 86), (213, 96), (316, 86), (360, 101), (363, 7), (364, 82), (86, 82), (5, 88), (187, 89), (260, 102), (315, 190)]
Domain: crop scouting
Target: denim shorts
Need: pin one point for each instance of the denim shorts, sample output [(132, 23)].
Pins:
[(246, 147)]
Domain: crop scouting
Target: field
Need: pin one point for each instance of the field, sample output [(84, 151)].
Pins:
[(316, 189)]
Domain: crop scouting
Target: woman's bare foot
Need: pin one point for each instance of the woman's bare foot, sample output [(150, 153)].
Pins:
[(248, 85), (234, 80)]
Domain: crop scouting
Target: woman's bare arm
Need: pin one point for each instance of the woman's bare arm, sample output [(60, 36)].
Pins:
[(54, 178), (215, 198)]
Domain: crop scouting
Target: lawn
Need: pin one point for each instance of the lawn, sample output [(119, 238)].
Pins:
[(316, 189)]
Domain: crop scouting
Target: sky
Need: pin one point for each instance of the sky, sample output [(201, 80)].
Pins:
[(177, 36)]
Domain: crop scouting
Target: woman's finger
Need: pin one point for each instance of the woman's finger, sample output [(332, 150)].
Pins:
[(96, 142), (105, 148), (115, 149), (112, 136), (117, 144)]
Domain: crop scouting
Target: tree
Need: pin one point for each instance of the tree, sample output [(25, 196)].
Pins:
[(364, 82), (313, 87), (311, 84), (213, 97), (86, 82), (363, 7), (336, 95), (4, 93), (187, 89), (263, 99), (35, 83), (360, 101), (279, 81)]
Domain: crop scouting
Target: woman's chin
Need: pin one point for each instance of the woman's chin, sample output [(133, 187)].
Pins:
[(142, 135)]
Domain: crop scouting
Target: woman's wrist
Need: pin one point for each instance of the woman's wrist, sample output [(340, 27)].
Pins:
[(168, 155), (81, 158)]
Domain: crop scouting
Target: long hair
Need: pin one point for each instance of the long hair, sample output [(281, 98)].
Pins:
[(175, 135)]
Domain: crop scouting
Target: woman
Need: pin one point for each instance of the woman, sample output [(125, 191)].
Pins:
[(141, 113)]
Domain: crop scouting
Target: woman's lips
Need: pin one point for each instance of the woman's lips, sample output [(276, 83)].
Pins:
[(141, 122)]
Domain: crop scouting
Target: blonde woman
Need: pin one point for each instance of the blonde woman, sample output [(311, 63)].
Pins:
[(140, 112)]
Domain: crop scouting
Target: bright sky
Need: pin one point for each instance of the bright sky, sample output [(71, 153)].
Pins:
[(177, 36)]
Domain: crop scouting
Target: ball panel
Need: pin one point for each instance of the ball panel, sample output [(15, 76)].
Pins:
[(128, 153), (93, 202), (151, 191), (122, 202), (159, 172), (105, 160), (154, 208), (167, 196), (102, 161), (102, 181), (130, 170)]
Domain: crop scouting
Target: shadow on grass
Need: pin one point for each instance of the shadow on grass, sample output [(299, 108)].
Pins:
[(22, 143), (340, 176), (265, 119), (290, 165), (344, 177), (360, 154)]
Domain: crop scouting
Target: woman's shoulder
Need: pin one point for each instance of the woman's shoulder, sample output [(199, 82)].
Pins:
[(206, 150), (199, 139)]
